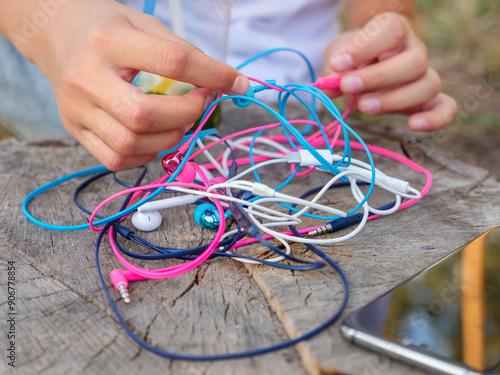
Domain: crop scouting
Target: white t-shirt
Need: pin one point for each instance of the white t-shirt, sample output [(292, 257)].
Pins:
[(259, 25)]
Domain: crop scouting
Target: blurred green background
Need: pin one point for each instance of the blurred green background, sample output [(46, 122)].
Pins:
[(463, 39), (466, 31)]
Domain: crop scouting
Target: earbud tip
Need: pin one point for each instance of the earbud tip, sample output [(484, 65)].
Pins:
[(146, 221), (188, 174), (207, 216), (242, 102)]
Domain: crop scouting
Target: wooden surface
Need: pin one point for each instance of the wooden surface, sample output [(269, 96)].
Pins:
[(65, 325)]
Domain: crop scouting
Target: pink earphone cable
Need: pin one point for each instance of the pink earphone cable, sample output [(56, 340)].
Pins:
[(171, 271)]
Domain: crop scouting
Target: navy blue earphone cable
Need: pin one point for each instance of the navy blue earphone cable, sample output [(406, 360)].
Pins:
[(225, 356)]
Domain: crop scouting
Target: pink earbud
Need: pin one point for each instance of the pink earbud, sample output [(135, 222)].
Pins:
[(171, 162)]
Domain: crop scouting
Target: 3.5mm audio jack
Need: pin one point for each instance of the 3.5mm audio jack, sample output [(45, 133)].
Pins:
[(120, 279), (344, 222), (123, 290), (321, 230), (337, 224)]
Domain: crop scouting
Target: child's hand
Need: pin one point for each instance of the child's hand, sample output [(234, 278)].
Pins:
[(92, 49), (385, 63)]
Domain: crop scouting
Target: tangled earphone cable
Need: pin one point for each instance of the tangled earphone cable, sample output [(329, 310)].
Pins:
[(221, 193)]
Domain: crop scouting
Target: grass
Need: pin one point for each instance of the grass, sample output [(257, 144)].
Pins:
[(464, 30), (464, 34)]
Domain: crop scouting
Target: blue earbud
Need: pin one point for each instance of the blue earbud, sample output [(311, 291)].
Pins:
[(241, 102), (207, 216)]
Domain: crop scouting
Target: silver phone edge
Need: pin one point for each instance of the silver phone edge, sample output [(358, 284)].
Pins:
[(400, 353)]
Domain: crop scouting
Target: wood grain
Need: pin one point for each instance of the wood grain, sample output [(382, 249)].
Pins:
[(66, 326)]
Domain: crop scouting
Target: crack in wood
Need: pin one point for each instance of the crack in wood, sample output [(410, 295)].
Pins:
[(58, 309), (200, 274), (46, 272), (40, 355), (90, 362), (301, 306), (226, 310), (298, 286), (309, 361), (42, 295), (137, 354), (146, 334)]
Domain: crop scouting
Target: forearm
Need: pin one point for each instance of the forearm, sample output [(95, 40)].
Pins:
[(25, 22), (361, 11)]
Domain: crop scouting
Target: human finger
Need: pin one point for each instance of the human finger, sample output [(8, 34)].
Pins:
[(137, 50), (146, 113), (382, 33), (400, 98), (407, 66), (435, 114), (127, 142), (104, 154)]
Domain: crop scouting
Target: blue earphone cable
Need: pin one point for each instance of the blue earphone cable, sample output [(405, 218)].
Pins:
[(310, 69), (149, 7), (89, 171)]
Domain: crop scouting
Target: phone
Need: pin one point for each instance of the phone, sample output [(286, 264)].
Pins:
[(445, 319)]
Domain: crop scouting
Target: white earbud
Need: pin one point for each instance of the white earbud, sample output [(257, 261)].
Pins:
[(146, 221), (147, 218)]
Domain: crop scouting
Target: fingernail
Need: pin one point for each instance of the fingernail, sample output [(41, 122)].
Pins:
[(419, 125), (209, 100), (341, 62), (369, 106), (351, 85), (240, 86), (188, 127)]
